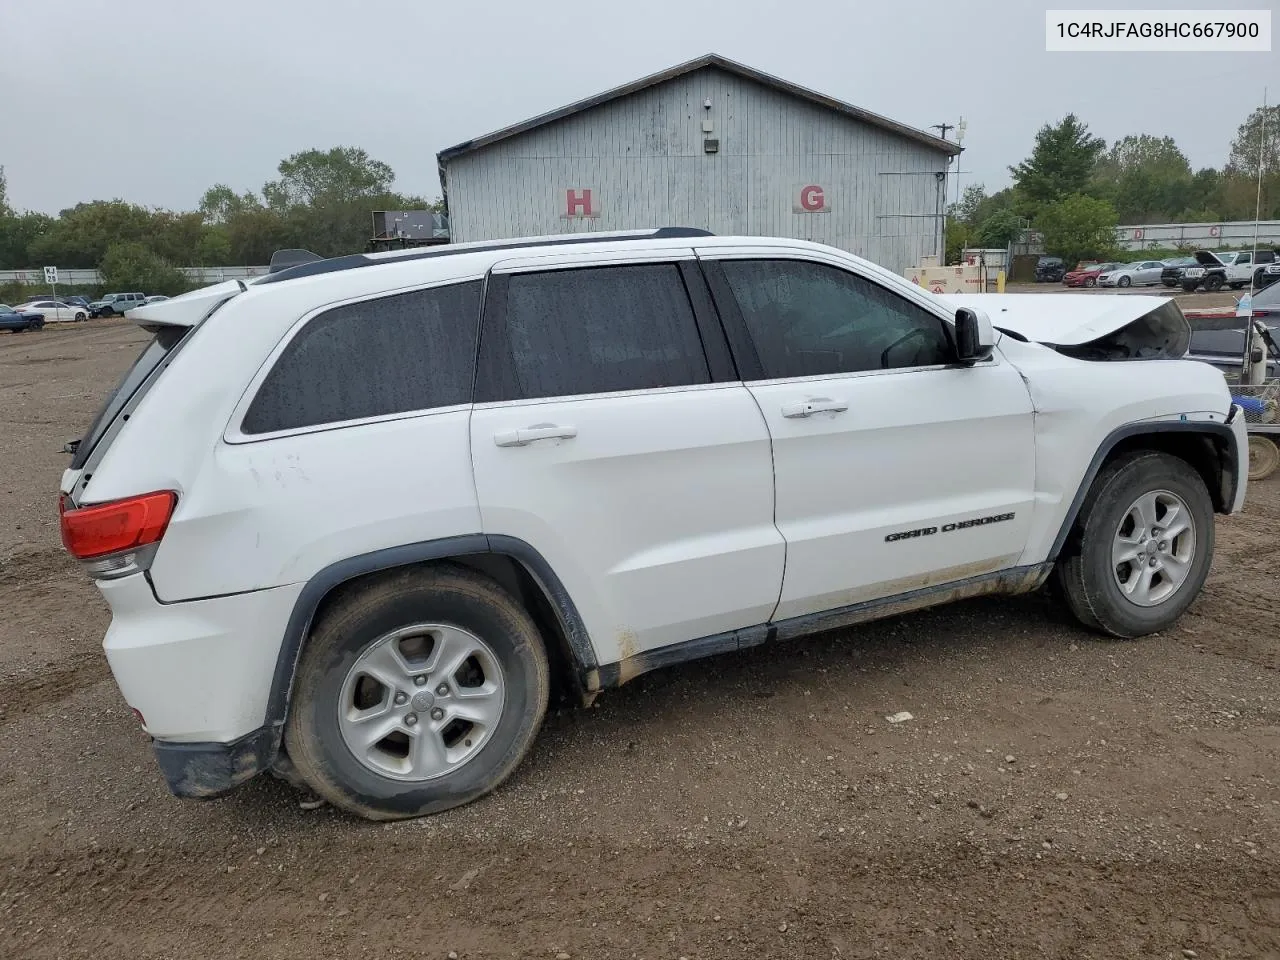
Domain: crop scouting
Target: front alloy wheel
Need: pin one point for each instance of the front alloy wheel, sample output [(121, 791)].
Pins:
[(1154, 547), (1140, 548)]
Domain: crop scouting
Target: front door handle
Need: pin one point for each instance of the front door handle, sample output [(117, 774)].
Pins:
[(539, 431), (812, 405)]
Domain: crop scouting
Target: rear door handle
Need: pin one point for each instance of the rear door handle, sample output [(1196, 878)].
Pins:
[(812, 405), (539, 431)]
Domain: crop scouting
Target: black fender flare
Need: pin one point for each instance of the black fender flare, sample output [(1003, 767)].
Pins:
[(331, 577), (1210, 428)]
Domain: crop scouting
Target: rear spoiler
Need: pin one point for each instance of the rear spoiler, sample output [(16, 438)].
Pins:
[(186, 310)]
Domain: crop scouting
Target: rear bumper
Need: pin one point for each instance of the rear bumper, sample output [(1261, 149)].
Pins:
[(200, 673), (202, 770)]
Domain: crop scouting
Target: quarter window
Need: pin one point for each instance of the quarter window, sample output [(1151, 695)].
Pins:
[(598, 330), (810, 319), (407, 352)]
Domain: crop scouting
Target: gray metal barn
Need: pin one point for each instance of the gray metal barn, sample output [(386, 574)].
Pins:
[(714, 144)]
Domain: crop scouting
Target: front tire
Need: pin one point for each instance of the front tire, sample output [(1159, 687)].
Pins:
[(417, 693), (1141, 547), (1213, 283), (1189, 287), (80, 318), (1125, 281), (1091, 282)]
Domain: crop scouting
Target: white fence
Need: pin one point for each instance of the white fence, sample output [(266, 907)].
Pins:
[(91, 278), (1209, 236)]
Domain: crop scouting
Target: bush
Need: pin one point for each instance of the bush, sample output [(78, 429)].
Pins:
[(1079, 228), (135, 266)]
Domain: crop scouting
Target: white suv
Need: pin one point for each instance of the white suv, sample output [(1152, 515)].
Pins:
[(354, 519)]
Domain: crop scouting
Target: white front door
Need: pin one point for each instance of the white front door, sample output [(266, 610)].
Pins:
[(607, 437), (896, 469)]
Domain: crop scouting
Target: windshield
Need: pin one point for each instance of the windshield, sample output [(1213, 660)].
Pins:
[(1268, 296), (153, 353)]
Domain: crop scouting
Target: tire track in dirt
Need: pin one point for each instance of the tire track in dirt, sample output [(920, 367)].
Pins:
[(32, 566), (27, 693)]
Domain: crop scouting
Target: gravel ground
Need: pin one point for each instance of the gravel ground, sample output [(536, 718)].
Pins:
[(1055, 795)]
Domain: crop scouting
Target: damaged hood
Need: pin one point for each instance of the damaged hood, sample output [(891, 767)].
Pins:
[(1059, 319)]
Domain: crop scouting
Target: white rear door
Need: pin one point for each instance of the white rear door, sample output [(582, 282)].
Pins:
[(896, 469), (610, 439)]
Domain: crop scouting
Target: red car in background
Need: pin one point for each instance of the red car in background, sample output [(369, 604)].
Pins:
[(1086, 275)]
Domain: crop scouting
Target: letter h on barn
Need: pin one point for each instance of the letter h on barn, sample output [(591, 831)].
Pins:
[(579, 204)]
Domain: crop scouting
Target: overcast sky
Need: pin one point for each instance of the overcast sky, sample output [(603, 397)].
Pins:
[(154, 100)]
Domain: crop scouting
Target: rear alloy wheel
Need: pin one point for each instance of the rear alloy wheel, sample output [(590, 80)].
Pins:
[(419, 692), (1141, 548), (1264, 457)]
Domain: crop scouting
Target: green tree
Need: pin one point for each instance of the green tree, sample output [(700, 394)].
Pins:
[(1159, 156), (999, 230), (1257, 139), (970, 201), (1249, 143), (339, 175), (959, 235), (1079, 227), (80, 236), (1060, 164), (1146, 178), (131, 265)]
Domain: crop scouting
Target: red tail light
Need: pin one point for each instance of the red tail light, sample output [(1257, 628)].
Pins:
[(106, 528)]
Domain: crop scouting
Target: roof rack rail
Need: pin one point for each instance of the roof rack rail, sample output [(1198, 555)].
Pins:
[(310, 265)]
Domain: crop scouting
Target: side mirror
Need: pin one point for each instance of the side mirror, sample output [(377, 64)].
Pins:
[(975, 337)]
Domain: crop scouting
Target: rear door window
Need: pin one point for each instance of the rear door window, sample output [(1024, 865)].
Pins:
[(399, 354), (591, 330)]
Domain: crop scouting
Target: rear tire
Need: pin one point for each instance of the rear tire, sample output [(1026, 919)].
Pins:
[(1130, 597), (416, 617)]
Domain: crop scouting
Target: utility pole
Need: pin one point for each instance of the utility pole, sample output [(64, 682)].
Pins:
[(942, 128)]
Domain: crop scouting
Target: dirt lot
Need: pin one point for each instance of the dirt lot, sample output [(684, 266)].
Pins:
[(1056, 795)]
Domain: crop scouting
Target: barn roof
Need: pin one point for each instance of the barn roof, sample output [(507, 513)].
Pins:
[(708, 60)]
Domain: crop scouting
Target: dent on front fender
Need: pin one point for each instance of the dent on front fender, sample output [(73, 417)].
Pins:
[(1079, 404)]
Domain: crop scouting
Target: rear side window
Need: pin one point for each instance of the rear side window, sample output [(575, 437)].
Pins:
[(596, 330), (396, 354), (166, 339)]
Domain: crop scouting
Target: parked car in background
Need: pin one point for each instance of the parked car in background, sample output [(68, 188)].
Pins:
[(55, 311), (1141, 273), (1050, 269), (19, 321), (1236, 270), (1087, 276), (156, 299), (1171, 275), (115, 304), (1261, 267), (76, 301)]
